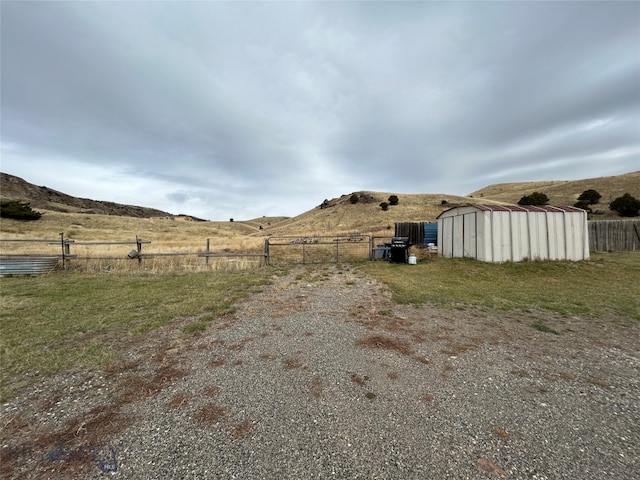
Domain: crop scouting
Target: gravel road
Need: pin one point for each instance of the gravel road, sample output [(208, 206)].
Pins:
[(322, 376)]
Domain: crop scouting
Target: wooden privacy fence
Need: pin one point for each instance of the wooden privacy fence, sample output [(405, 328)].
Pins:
[(614, 235), (413, 230)]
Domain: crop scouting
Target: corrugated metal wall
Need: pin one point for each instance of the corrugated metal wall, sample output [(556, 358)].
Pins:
[(10, 266), (506, 235)]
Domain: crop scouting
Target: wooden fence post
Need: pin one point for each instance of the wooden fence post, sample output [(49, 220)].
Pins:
[(206, 259), (62, 246), (139, 248)]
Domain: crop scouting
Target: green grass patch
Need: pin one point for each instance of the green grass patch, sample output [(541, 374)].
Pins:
[(59, 321), (195, 327), (541, 327), (607, 283)]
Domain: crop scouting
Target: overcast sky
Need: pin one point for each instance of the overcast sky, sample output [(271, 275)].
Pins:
[(242, 109)]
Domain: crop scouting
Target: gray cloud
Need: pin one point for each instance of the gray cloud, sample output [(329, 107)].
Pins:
[(280, 105)]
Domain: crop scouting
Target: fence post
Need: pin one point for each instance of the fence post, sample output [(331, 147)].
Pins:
[(62, 246), (206, 259), (139, 248), (337, 242), (266, 251)]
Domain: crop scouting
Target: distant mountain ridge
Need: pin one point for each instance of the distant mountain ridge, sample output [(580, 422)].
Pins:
[(16, 188)]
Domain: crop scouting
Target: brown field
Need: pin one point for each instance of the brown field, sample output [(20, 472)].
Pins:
[(566, 192)]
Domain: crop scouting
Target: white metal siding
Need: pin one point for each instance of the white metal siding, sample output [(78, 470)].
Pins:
[(445, 237), (538, 232), (519, 237), (555, 236), (484, 236), (458, 236), (499, 235), (470, 236)]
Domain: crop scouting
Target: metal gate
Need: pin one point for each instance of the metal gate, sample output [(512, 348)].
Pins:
[(317, 249)]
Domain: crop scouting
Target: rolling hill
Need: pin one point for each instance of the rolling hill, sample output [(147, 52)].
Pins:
[(338, 215), (565, 192), (44, 198)]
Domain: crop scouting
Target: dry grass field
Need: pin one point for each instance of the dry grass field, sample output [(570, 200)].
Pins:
[(566, 192), (174, 243)]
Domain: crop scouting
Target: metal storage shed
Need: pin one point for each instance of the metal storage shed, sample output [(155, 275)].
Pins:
[(502, 233)]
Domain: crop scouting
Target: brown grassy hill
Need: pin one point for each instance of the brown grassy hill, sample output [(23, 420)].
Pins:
[(264, 222), (565, 192), (339, 215), (15, 188)]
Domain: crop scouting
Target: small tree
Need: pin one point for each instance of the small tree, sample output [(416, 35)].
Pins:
[(536, 198), (384, 206), (18, 211), (626, 206), (590, 196), (583, 204), (393, 200), (354, 198)]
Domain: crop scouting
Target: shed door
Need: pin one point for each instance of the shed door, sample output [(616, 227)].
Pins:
[(470, 235), (458, 236)]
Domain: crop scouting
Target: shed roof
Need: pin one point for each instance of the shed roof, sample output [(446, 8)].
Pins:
[(520, 208)]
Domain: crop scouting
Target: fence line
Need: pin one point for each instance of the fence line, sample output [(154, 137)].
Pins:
[(614, 235), (317, 248), (66, 255)]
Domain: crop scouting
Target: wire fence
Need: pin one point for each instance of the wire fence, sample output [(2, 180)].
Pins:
[(137, 258), (75, 255), (317, 249)]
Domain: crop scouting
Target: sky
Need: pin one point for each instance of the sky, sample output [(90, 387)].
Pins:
[(247, 109)]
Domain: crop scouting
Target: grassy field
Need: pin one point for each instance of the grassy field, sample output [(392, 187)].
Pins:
[(61, 321), (607, 284)]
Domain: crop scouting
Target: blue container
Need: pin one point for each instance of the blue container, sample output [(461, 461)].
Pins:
[(431, 233)]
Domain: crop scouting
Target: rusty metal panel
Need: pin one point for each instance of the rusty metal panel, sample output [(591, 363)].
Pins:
[(26, 265)]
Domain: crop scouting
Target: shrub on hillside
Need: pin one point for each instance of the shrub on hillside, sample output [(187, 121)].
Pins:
[(354, 198), (393, 200), (583, 204), (18, 211), (626, 206), (590, 196), (384, 206), (536, 198)]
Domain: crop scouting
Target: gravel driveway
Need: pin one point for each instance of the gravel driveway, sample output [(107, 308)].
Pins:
[(322, 376)]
